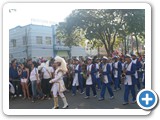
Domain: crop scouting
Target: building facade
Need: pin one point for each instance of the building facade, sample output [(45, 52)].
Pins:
[(34, 41)]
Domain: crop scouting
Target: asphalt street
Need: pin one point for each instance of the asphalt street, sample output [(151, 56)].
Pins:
[(76, 102)]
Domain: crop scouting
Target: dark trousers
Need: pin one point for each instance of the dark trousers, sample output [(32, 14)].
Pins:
[(129, 88), (81, 85), (17, 86), (88, 89), (138, 84), (74, 89), (108, 86), (98, 81), (116, 83), (46, 86)]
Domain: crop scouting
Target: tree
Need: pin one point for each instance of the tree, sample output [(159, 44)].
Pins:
[(135, 22), (99, 24), (70, 37), (103, 26)]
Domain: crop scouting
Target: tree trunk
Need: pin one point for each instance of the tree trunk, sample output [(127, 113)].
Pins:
[(137, 43), (125, 46), (114, 39), (70, 52), (106, 48)]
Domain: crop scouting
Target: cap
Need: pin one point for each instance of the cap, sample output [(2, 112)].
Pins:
[(115, 57), (97, 58), (89, 58), (105, 58), (76, 58), (133, 54), (127, 56)]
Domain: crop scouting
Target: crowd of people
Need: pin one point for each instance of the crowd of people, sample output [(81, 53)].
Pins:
[(50, 78)]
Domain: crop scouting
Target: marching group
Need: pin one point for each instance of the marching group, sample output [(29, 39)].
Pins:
[(49, 79)]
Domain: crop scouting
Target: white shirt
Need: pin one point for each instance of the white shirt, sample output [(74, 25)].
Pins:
[(136, 74), (105, 77), (128, 79), (110, 66), (46, 75), (97, 67), (115, 65), (33, 74), (89, 79), (75, 80)]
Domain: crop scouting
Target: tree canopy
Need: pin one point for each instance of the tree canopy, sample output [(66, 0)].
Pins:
[(102, 26)]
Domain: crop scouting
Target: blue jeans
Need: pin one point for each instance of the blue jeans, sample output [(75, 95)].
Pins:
[(104, 85), (34, 89)]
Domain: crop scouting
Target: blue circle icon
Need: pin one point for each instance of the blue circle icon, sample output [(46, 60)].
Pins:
[(147, 99)]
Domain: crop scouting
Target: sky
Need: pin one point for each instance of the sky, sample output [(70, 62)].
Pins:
[(44, 14)]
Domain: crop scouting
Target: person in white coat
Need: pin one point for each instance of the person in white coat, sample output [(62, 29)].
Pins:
[(58, 86)]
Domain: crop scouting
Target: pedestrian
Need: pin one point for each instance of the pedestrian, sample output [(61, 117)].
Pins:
[(47, 72), (14, 78), (24, 75), (35, 81), (91, 79), (58, 86), (106, 80), (129, 82)]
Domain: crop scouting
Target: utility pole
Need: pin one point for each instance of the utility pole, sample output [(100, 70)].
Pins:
[(26, 42)]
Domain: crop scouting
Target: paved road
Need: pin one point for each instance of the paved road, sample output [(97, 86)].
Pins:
[(76, 102)]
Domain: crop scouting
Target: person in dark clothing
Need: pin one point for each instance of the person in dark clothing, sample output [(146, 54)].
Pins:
[(14, 78)]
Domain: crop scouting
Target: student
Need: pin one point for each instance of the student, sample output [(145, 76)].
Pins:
[(117, 68), (137, 73), (129, 82), (77, 80), (106, 80), (91, 79), (58, 86), (98, 80)]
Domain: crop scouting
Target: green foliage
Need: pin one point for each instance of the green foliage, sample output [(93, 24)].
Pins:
[(102, 26)]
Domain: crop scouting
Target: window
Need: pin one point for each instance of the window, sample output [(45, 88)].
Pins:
[(39, 39), (24, 40), (14, 42), (48, 40)]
